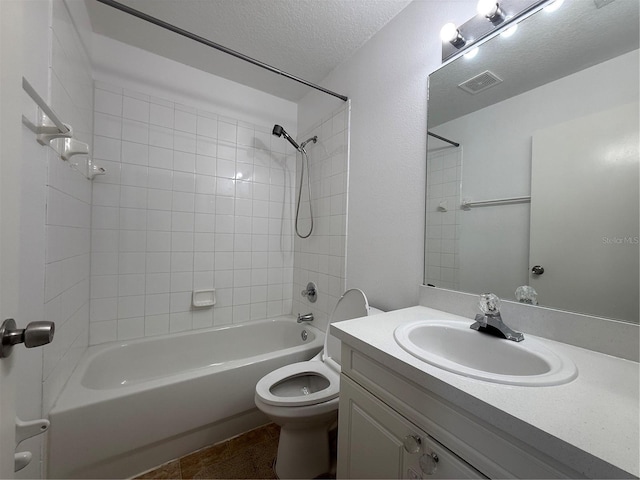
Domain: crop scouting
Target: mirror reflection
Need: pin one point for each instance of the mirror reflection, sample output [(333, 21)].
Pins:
[(542, 190)]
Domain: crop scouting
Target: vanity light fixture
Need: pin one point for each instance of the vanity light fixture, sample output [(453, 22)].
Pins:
[(450, 33), (502, 15), (490, 9)]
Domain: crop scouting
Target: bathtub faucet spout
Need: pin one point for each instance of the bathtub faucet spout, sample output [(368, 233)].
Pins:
[(305, 318)]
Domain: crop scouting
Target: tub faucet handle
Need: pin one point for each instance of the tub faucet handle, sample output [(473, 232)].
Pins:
[(311, 292)]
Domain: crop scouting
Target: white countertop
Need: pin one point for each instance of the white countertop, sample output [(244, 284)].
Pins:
[(589, 424)]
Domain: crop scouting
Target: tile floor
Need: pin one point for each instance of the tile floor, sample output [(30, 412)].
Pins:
[(250, 455)]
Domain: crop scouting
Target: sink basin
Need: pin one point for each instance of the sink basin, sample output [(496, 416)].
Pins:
[(453, 346)]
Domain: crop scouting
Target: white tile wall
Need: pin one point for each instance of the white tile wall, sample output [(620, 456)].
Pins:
[(191, 200), (68, 209), (444, 176), (321, 257)]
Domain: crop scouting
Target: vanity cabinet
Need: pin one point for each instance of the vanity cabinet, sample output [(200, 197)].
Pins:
[(391, 427), (380, 443)]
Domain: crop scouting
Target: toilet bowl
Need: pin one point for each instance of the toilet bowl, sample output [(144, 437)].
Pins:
[(303, 399)]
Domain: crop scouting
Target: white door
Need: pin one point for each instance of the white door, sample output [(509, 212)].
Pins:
[(10, 151), (584, 214)]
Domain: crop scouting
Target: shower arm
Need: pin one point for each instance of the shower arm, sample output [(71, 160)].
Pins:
[(217, 46)]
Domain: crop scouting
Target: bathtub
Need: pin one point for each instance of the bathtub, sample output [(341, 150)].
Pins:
[(130, 406)]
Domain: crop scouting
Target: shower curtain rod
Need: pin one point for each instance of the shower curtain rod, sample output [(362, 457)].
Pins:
[(455, 144), (209, 43)]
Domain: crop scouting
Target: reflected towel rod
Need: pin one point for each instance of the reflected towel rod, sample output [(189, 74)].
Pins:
[(455, 144), (217, 46), (466, 204)]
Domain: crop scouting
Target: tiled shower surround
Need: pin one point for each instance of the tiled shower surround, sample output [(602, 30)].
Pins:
[(444, 174), (321, 258), (191, 200)]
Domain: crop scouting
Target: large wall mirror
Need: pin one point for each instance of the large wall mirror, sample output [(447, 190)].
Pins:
[(543, 187)]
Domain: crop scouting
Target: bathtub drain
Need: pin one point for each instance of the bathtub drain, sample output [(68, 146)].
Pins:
[(304, 335)]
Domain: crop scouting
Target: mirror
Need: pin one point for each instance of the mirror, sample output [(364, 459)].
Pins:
[(543, 187)]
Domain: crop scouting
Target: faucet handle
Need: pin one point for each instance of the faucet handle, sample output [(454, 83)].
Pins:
[(489, 304), (311, 292)]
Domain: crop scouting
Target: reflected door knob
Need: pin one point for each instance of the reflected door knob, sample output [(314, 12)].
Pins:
[(537, 270), (35, 335)]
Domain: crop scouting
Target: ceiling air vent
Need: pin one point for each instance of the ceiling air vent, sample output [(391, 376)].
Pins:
[(480, 82)]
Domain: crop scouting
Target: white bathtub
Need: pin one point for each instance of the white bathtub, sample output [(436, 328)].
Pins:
[(130, 406)]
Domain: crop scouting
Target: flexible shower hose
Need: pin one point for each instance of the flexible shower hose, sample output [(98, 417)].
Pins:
[(304, 156)]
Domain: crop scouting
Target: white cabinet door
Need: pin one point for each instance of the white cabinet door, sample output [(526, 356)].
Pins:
[(374, 441)]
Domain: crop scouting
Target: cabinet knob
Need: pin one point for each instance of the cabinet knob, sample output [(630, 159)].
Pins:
[(429, 463), (412, 443)]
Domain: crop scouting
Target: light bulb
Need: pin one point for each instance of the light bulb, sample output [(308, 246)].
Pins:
[(491, 10), (509, 31), (449, 32), (553, 6), (471, 53), (487, 8)]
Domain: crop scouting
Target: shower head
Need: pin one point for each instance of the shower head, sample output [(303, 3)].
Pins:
[(278, 131)]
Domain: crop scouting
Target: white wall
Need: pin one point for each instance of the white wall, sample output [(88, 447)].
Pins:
[(55, 219), (387, 83), (172, 215)]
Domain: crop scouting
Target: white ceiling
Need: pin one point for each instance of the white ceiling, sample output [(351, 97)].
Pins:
[(306, 38)]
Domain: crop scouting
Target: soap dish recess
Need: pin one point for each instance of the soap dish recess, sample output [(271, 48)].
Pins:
[(204, 298)]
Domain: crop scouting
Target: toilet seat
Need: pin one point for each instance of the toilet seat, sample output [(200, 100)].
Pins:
[(289, 372), (352, 304)]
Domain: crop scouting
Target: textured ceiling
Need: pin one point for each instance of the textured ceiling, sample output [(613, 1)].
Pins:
[(306, 38)]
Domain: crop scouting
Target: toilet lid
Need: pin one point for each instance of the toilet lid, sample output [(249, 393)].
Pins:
[(281, 375), (353, 304)]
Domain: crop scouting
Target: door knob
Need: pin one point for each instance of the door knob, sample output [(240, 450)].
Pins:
[(35, 335), (537, 270)]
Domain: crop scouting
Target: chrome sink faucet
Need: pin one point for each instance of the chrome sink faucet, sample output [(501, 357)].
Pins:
[(490, 321), (305, 318)]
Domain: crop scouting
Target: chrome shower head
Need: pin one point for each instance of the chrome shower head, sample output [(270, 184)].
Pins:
[(278, 131)]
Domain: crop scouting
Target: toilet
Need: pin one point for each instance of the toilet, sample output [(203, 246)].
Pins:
[(303, 399)]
